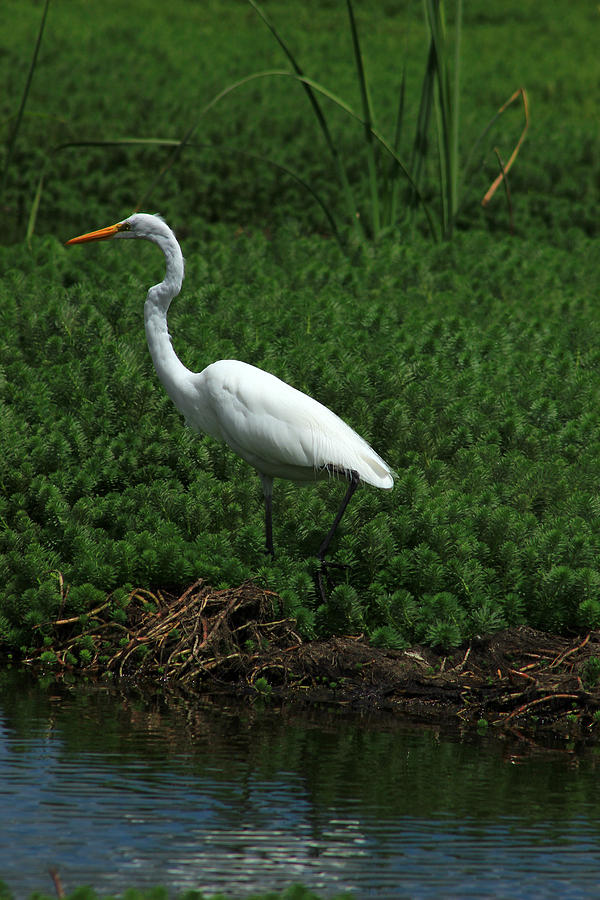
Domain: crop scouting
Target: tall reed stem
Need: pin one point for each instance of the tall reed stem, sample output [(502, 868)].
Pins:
[(10, 144)]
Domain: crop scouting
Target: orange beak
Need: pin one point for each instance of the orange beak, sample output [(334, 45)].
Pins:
[(101, 235)]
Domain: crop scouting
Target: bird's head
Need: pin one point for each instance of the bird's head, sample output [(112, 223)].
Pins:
[(151, 228), (139, 225)]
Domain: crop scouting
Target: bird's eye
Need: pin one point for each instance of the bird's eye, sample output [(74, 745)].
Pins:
[(124, 226)]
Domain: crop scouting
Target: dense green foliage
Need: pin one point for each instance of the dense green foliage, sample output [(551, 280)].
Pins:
[(472, 367), (137, 72)]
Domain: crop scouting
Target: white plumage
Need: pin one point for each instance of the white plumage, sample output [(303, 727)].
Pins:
[(281, 431), (278, 430)]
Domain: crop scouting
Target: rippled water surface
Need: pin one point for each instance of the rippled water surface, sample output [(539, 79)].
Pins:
[(118, 790)]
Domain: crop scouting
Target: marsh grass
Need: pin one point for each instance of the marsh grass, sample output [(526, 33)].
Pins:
[(224, 176), (13, 131), (440, 92)]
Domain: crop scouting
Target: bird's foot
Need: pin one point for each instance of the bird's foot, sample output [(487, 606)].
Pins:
[(323, 572)]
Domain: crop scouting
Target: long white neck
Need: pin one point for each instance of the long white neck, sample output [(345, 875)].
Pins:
[(169, 368)]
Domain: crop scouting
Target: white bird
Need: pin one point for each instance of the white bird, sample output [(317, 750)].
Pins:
[(280, 431)]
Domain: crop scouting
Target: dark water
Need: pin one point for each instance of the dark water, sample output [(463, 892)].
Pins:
[(120, 791)]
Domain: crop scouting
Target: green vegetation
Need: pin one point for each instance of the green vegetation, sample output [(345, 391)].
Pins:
[(296, 892), (471, 366), (591, 672), (263, 688), (440, 99), (130, 75)]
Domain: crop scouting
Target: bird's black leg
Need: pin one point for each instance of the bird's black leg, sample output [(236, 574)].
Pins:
[(267, 484), (354, 482), (269, 525)]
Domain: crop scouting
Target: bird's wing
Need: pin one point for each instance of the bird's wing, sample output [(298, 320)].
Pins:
[(280, 430)]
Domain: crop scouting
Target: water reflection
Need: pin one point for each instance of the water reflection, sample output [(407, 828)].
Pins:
[(120, 790)]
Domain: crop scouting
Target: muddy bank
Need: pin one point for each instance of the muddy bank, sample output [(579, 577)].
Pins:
[(526, 681)]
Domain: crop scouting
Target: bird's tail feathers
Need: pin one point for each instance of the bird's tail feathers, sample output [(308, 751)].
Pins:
[(363, 460)]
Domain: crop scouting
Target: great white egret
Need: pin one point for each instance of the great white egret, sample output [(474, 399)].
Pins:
[(280, 431)]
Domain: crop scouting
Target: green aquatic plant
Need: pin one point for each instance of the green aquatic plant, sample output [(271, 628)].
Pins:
[(263, 687), (591, 672), (388, 637), (493, 520)]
